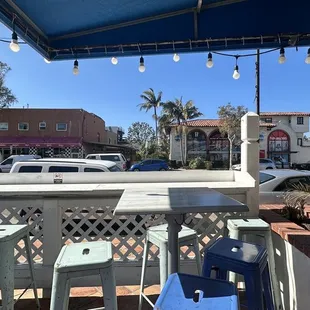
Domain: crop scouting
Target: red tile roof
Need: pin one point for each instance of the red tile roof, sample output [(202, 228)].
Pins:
[(285, 114), (216, 123)]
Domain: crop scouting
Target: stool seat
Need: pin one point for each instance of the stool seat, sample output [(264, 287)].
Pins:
[(186, 292), (158, 234), (247, 254), (255, 224), (84, 256), (10, 232)]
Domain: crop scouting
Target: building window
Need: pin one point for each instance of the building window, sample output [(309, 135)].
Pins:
[(42, 126), (23, 126), (299, 141), (4, 126), (300, 120), (61, 127), (267, 120), (109, 140)]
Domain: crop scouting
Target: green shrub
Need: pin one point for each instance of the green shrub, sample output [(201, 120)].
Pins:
[(208, 165), (197, 163)]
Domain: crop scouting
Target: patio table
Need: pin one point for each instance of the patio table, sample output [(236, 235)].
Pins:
[(175, 203)]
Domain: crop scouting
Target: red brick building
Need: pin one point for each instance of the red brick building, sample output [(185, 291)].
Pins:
[(50, 132)]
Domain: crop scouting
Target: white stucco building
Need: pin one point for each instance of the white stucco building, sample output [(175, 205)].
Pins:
[(281, 137)]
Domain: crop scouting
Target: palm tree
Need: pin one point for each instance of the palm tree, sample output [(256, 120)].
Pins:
[(151, 101), (179, 114)]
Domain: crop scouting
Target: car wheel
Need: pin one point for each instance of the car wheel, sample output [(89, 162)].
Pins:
[(162, 169), (268, 168), (136, 170)]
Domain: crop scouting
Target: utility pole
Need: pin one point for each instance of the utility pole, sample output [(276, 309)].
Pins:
[(257, 67)]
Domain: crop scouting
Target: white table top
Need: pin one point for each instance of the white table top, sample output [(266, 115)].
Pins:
[(176, 201)]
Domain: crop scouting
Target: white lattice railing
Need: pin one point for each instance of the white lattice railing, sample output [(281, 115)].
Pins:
[(64, 217)]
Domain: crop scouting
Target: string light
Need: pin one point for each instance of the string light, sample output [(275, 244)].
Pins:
[(209, 63), (176, 57), (307, 60), (76, 67), (114, 60), (14, 46), (47, 61), (282, 57), (236, 74), (141, 65)]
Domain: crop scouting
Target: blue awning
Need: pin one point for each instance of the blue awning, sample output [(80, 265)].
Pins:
[(69, 29)]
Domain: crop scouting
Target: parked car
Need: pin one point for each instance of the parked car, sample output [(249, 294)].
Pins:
[(304, 166), (274, 183), (150, 165), (264, 163), (118, 158), (63, 165), (7, 164)]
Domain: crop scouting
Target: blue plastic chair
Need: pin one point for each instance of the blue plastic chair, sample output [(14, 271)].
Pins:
[(186, 292), (247, 259)]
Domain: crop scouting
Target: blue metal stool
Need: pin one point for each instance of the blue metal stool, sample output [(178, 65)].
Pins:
[(247, 259), (186, 292)]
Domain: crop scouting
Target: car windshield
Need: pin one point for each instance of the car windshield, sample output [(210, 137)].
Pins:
[(265, 177), (114, 169)]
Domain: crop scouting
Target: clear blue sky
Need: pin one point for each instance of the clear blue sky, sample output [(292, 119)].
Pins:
[(112, 92)]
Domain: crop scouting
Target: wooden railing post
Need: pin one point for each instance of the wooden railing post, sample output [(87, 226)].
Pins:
[(250, 157), (52, 236)]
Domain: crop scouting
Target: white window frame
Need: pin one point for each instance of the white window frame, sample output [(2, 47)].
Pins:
[(40, 128), (301, 119), (23, 129), (57, 129), (4, 129)]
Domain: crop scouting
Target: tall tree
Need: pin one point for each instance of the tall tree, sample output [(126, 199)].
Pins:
[(178, 113), (139, 133), (230, 125), (151, 101), (7, 98)]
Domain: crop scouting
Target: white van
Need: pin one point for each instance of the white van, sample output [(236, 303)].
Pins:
[(63, 165), (7, 164), (118, 158)]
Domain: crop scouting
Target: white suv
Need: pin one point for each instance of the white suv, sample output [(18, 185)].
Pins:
[(264, 163), (118, 158)]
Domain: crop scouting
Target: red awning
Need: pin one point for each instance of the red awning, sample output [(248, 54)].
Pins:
[(40, 142)]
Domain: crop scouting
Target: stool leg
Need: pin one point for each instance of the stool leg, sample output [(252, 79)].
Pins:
[(59, 298), (67, 293), (7, 275), (109, 288), (144, 266), (233, 234), (267, 289), (206, 268), (197, 255), (272, 265), (254, 290), (163, 263), (31, 267)]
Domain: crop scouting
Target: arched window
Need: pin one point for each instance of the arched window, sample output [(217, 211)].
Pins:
[(218, 142), (279, 141), (196, 144)]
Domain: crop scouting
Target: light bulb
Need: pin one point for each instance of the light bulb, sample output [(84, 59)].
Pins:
[(114, 60), (76, 68), (307, 60), (176, 57), (14, 46), (47, 61), (236, 74), (141, 66), (282, 58), (209, 63)]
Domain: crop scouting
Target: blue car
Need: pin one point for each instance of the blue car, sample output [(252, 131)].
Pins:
[(150, 165)]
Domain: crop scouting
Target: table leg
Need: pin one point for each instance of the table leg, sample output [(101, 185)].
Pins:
[(174, 226)]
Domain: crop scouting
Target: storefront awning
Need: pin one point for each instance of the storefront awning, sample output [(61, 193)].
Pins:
[(25, 142), (104, 28)]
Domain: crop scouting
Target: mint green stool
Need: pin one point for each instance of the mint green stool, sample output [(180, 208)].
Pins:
[(81, 260), (10, 235)]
